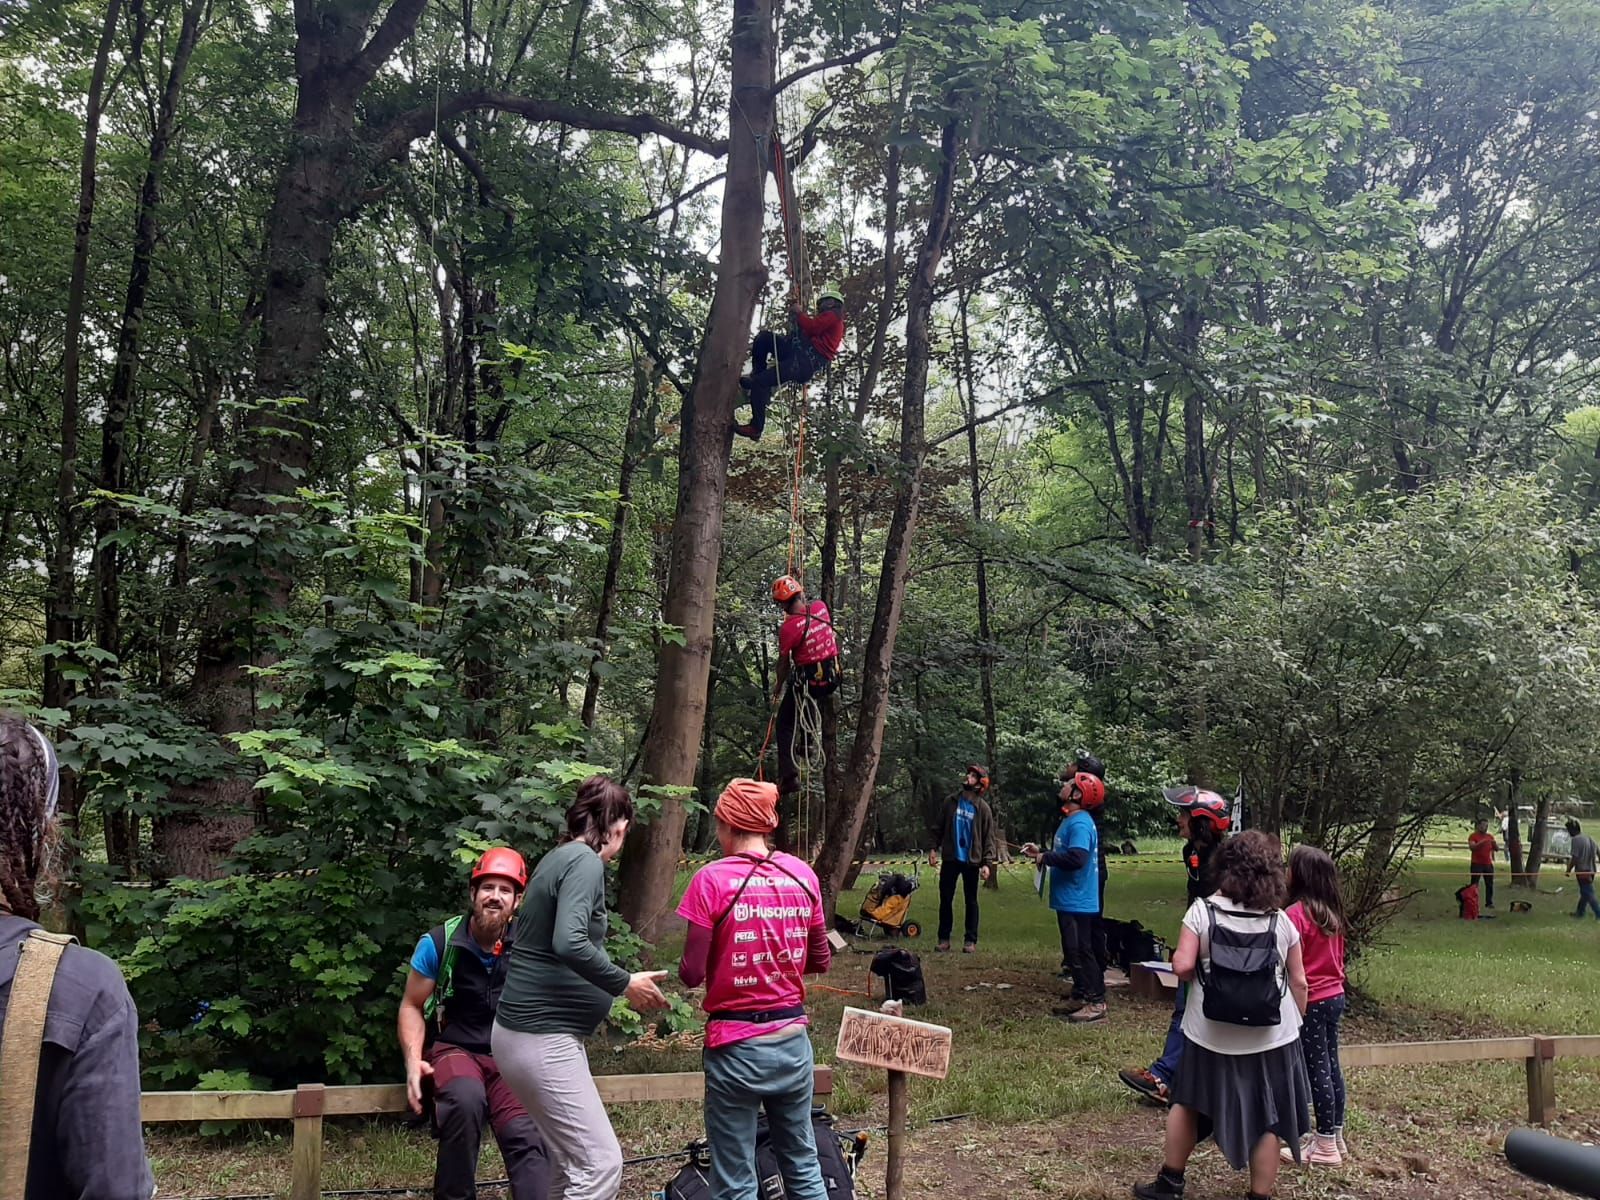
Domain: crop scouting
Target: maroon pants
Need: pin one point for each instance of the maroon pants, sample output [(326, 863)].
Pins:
[(467, 1090)]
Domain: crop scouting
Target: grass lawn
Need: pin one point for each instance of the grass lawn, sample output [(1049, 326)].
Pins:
[(1047, 1113)]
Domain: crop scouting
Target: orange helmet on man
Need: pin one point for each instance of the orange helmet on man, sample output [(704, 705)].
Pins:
[(785, 588), (1088, 791)]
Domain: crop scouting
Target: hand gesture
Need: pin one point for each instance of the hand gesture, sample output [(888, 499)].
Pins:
[(983, 874), (416, 1072), (1031, 850), (644, 991)]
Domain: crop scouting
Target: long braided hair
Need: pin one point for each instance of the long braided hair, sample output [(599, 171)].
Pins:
[(24, 792)]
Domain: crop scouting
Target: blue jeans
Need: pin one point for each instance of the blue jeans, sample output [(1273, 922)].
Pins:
[(1165, 1068), (1586, 898), (775, 1073)]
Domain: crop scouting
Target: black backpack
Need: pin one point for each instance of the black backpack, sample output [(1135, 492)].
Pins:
[(838, 1169), (1129, 942), (1244, 979), (902, 974)]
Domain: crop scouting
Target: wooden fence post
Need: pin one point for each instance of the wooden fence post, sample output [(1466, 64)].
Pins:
[(1542, 1081), (895, 1180), (305, 1182)]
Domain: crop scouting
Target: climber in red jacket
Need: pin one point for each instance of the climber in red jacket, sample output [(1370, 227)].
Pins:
[(795, 357)]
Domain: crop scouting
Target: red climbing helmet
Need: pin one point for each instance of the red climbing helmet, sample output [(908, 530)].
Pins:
[(1090, 789), (1198, 802), (504, 863), (785, 588), (982, 772)]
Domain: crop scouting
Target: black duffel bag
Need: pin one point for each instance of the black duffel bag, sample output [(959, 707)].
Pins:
[(693, 1181)]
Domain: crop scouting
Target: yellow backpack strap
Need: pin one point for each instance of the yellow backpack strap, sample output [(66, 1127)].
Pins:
[(38, 956)]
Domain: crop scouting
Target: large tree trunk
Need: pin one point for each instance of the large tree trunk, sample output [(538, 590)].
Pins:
[(1541, 823), (651, 862), (1514, 824), (846, 817)]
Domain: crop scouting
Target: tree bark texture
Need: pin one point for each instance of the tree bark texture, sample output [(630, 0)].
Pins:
[(651, 857), (846, 817)]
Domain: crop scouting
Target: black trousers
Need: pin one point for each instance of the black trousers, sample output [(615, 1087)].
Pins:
[(1487, 888), (794, 363), (950, 872), (1077, 951), (1101, 952)]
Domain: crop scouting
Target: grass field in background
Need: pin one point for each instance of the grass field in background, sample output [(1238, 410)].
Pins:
[(1434, 977)]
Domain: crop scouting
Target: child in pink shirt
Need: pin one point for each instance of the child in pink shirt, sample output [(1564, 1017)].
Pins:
[(1318, 913), (756, 927)]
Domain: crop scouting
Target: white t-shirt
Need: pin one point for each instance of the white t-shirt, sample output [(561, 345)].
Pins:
[(1220, 1037)]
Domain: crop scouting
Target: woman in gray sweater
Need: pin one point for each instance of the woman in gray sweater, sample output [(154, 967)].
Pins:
[(560, 985)]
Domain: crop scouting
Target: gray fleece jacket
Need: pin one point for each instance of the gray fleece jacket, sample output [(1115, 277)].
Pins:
[(87, 1144)]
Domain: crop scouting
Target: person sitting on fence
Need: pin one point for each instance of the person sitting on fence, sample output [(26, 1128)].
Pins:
[(1581, 856), (446, 1017), (756, 927), (795, 358), (65, 1012)]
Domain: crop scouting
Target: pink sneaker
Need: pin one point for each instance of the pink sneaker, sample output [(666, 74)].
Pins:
[(1324, 1151)]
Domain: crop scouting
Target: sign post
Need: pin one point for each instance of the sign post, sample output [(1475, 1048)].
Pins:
[(902, 1048)]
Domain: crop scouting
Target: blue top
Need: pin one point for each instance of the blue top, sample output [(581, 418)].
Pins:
[(966, 817), (425, 958), (1076, 891)]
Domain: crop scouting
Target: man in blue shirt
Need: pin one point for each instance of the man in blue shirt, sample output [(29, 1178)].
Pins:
[(1074, 862), (965, 838)]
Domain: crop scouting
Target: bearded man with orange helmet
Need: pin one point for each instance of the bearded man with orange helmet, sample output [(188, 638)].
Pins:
[(458, 971), (965, 837), (808, 661), (1074, 862)]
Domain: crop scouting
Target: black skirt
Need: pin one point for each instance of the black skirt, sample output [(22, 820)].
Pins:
[(1239, 1098)]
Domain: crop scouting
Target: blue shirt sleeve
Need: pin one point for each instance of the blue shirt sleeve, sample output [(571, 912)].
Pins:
[(425, 958), (1080, 835)]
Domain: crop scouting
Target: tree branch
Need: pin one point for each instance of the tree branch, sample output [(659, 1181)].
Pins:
[(662, 209), (398, 24), (794, 77), (391, 143)]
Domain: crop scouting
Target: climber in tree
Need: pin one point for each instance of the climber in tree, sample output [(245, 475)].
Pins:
[(793, 357), (808, 660)]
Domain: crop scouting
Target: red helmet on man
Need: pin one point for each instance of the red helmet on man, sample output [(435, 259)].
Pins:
[(982, 772), (785, 588), (1090, 790), (1202, 804), (504, 863)]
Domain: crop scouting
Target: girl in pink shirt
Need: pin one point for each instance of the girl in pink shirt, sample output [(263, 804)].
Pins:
[(1318, 913)]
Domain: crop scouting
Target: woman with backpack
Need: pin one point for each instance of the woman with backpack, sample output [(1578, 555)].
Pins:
[(755, 928), (1242, 1081), (1317, 910)]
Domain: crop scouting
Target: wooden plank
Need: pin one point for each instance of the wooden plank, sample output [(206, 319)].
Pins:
[(1583, 1046), (1542, 1082), (305, 1177), (216, 1106), (365, 1100), (894, 1043), (1412, 1054)]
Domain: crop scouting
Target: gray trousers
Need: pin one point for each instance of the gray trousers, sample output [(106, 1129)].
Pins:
[(549, 1072)]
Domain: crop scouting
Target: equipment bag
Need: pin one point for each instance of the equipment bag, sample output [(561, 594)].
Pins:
[(1129, 942), (902, 974), (1243, 975), (692, 1182), (821, 678)]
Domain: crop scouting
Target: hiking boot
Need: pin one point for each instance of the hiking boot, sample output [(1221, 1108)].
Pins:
[(970, 948), (748, 431), (1162, 1187), (1148, 1084), (1324, 1151), (1094, 1011), (943, 947)]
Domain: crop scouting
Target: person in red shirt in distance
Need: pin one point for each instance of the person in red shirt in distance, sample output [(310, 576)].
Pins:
[(1483, 846), (795, 358), (808, 658)]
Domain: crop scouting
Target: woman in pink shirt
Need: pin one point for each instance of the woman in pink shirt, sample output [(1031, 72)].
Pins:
[(755, 927), (1318, 913)]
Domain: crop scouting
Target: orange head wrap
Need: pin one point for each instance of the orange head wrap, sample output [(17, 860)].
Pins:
[(750, 806)]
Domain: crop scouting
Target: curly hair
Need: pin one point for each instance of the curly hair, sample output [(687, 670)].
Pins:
[(23, 789), (1248, 869), (601, 803)]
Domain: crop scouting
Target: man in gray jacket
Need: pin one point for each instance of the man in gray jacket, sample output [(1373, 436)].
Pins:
[(86, 1141), (965, 837)]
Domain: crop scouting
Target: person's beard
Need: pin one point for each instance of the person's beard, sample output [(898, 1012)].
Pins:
[(491, 924)]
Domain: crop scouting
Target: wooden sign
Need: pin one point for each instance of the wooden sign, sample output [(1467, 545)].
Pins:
[(894, 1043)]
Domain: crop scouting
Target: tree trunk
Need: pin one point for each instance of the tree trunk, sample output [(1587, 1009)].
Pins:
[(1541, 822), (643, 380), (1513, 824), (651, 862), (846, 817)]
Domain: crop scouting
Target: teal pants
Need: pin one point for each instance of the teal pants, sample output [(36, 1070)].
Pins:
[(771, 1073)]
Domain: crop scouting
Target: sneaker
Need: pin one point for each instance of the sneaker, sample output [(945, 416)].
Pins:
[(1089, 1012), (1338, 1140), (942, 947), (970, 948), (748, 431), (1148, 1084), (1324, 1151), (1068, 1007), (1162, 1187), (1286, 1153)]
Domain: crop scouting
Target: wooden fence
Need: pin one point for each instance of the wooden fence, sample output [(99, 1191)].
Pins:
[(308, 1104)]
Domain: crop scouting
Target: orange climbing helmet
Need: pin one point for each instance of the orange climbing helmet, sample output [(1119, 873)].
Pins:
[(982, 772), (504, 863), (1202, 805), (785, 588), (1090, 789)]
